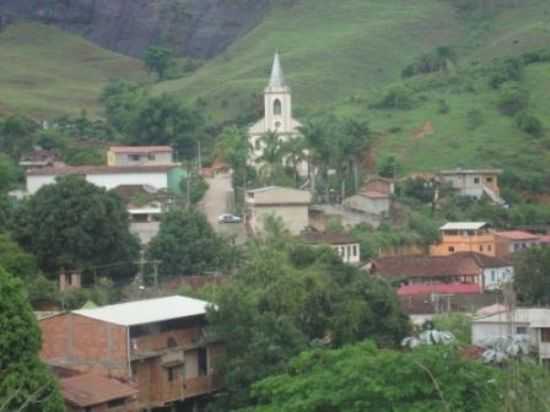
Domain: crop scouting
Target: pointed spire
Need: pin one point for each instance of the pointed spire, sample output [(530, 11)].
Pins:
[(277, 76)]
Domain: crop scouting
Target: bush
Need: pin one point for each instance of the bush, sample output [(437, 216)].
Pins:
[(474, 119), (513, 99), (397, 97), (529, 124), (443, 106), (508, 70)]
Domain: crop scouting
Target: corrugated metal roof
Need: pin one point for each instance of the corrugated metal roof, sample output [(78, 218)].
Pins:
[(464, 225), (140, 149), (442, 288), (147, 311)]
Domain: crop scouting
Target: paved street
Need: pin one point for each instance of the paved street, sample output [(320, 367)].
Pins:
[(215, 203)]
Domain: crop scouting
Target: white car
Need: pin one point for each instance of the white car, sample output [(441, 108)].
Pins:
[(229, 218)]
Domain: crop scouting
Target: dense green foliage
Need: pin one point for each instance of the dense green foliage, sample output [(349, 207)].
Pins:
[(187, 245), (532, 276), (288, 297), (158, 60), (75, 225), (25, 383), (364, 378)]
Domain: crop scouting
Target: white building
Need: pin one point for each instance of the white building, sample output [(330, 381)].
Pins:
[(347, 248), (102, 176), (534, 322), (140, 156), (475, 183), (277, 113), (290, 205)]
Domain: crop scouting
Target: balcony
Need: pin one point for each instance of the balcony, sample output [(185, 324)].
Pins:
[(190, 388)]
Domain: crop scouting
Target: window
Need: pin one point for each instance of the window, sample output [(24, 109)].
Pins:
[(172, 374), (134, 158), (277, 107), (493, 276), (277, 125), (116, 403), (489, 248), (521, 330), (171, 343), (476, 180), (451, 249), (151, 156), (354, 250), (481, 248), (545, 335), (516, 247), (489, 180), (203, 362)]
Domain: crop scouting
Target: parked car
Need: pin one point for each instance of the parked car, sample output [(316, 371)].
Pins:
[(229, 218)]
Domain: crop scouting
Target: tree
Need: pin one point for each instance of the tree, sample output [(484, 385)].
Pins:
[(187, 245), (272, 155), (17, 135), (123, 101), (289, 296), (76, 225), (164, 120), (532, 276), (362, 378), (158, 60), (389, 167), (294, 154), (15, 260), (25, 383), (233, 147), (9, 173)]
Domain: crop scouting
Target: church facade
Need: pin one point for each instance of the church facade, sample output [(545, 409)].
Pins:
[(277, 112)]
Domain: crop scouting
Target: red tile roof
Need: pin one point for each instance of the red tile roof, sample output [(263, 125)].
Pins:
[(97, 170), (92, 389), (517, 235), (141, 149), (442, 288), (545, 239), (459, 264)]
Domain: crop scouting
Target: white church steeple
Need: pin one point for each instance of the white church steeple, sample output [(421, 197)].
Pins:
[(278, 100)]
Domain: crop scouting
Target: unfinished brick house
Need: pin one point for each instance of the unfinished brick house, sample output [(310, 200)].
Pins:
[(159, 346)]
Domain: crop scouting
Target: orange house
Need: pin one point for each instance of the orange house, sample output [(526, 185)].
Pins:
[(465, 237)]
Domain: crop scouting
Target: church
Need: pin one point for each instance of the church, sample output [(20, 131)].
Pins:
[(277, 112)]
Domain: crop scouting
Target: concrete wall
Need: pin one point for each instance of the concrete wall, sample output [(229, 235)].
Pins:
[(483, 243), (85, 344), (295, 218), (483, 331), (125, 159), (472, 184), (375, 206), (109, 181)]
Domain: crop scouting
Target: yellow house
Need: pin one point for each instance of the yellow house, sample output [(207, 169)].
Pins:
[(465, 237)]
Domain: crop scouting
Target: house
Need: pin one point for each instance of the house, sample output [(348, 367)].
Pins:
[(91, 392), (468, 268), (145, 206), (290, 205), (465, 237), (475, 183), (533, 322), (374, 198), (277, 114), (140, 156), (508, 242), (39, 158), (159, 346), (108, 177), (347, 248)]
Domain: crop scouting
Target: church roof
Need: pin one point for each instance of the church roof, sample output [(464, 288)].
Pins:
[(277, 76)]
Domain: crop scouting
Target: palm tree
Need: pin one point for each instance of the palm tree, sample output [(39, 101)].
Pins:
[(272, 154), (294, 153)]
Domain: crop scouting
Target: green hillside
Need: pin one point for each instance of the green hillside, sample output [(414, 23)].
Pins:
[(46, 72), (343, 55)]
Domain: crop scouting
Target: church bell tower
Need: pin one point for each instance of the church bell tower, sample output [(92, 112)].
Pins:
[(278, 101)]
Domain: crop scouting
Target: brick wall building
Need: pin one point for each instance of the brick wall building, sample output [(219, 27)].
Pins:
[(161, 346)]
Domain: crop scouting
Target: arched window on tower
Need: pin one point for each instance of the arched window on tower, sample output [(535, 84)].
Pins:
[(277, 107)]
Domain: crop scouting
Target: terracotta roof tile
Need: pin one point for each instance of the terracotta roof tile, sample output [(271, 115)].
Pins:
[(517, 235), (91, 389), (442, 288), (330, 238)]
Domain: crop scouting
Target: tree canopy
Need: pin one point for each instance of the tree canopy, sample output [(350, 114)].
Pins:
[(75, 225), (532, 276), (25, 383), (364, 378), (186, 245), (159, 60), (288, 297)]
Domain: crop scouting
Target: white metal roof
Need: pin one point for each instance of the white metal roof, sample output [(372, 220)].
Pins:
[(534, 317), (464, 226), (147, 311)]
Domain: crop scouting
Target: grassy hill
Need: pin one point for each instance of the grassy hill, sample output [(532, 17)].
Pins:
[(46, 72), (343, 55)]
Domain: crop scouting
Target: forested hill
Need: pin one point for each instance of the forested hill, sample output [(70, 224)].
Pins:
[(421, 72)]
